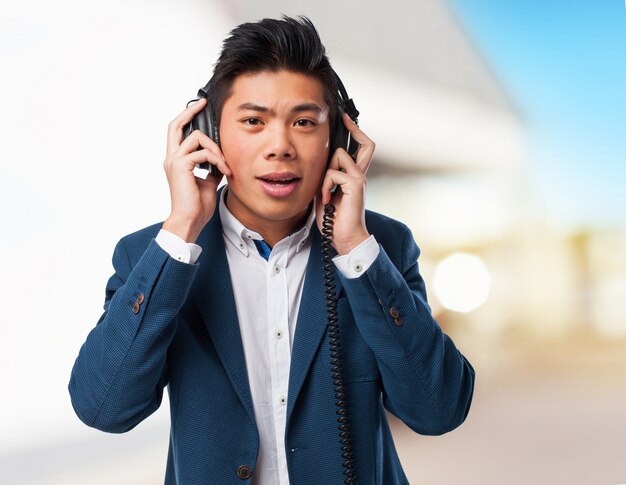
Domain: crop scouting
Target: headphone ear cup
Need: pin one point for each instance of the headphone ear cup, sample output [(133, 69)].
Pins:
[(340, 135), (202, 122), (211, 123), (205, 122)]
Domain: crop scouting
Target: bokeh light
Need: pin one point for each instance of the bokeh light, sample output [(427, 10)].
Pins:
[(462, 282)]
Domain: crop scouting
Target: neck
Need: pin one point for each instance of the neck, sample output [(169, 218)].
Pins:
[(272, 230), (278, 230)]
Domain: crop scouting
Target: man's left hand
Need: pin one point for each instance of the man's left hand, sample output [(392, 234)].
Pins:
[(349, 199)]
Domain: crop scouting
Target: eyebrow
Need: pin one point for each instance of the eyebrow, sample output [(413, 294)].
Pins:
[(296, 109)]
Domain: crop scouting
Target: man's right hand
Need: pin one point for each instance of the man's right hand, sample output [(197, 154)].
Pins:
[(193, 199)]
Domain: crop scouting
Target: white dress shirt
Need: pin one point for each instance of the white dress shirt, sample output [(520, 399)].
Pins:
[(267, 295)]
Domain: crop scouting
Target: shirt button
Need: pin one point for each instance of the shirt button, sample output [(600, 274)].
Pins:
[(179, 257), (244, 472), (241, 244), (358, 268), (278, 333), (283, 400), (276, 269)]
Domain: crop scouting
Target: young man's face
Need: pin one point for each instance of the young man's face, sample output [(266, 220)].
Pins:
[(274, 133)]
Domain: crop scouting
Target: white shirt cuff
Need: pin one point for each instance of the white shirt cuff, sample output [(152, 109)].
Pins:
[(358, 261), (177, 247)]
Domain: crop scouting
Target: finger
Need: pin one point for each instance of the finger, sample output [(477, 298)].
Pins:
[(175, 128), (366, 145), (355, 131), (332, 178), (342, 160), (364, 157), (206, 155), (200, 156), (194, 141)]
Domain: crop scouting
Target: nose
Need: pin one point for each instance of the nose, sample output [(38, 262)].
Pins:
[(279, 145)]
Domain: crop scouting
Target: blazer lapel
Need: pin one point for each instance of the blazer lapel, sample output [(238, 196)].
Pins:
[(213, 293), (312, 320)]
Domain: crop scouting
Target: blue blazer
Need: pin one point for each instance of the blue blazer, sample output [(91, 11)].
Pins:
[(168, 323)]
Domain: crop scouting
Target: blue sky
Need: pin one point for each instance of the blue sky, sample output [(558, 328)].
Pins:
[(564, 65)]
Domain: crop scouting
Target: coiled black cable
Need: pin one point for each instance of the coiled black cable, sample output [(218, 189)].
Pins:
[(345, 437)]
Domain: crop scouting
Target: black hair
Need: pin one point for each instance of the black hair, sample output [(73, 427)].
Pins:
[(291, 44)]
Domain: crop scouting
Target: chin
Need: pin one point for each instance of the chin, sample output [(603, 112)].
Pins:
[(282, 211)]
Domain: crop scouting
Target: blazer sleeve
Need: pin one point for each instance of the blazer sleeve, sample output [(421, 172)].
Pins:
[(121, 369), (427, 382)]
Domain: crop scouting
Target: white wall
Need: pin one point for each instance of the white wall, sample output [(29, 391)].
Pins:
[(87, 91)]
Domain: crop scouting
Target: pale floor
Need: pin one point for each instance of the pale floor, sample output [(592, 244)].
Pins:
[(543, 413), (551, 415)]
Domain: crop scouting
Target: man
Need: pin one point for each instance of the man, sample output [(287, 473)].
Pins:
[(238, 333)]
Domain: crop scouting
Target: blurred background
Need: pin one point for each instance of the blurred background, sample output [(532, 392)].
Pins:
[(500, 142)]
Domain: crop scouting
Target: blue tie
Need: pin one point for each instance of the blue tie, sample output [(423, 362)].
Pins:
[(264, 248)]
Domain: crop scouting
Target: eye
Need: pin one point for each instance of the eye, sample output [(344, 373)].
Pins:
[(252, 121), (304, 122)]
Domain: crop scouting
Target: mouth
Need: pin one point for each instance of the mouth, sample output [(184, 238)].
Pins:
[(279, 181), (279, 178), (279, 184)]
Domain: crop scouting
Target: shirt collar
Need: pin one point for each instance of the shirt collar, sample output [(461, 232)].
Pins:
[(241, 237)]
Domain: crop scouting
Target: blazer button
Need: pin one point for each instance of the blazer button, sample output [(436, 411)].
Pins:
[(393, 311), (140, 298), (135, 307), (398, 321), (244, 472)]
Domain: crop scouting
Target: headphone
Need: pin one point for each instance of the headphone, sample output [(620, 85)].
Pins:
[(206, 122)]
